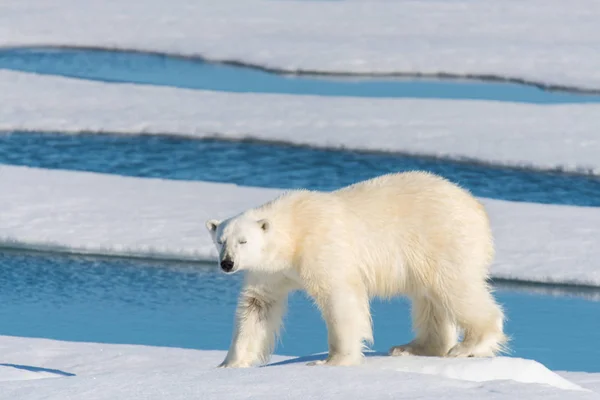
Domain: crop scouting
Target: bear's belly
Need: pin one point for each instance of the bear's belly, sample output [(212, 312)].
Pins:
[(386, 277)]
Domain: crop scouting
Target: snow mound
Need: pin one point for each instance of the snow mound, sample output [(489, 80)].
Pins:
[(80, 212), (464, 369), (564, 137), (102, 371), (477, 369)]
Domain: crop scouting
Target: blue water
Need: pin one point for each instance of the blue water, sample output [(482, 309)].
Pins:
[(192, 306), (155, 69), (278, 166)]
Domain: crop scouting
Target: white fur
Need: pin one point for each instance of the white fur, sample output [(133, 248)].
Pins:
[(412, 234)]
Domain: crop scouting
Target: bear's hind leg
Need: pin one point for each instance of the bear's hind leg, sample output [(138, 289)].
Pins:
[(481, 320), (435, 330)]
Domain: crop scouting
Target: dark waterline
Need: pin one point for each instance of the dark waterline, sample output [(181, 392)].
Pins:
[(192, 306), (163, 70), (278, 166)]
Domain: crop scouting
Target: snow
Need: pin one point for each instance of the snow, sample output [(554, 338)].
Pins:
[(476, 370), (91, 213), (586, 380), (551, 41), (15, 372), (101, 371), (538, 136)]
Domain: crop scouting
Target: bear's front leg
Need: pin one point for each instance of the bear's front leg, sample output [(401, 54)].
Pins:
[(258, 317), (346, 312)]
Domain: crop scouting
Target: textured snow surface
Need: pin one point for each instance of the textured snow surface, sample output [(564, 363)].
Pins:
[(557, 136), (99, 371), (108, 214), (552, 41)]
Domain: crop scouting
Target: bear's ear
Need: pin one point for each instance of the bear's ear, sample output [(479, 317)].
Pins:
[(212, 225), (264, 224)]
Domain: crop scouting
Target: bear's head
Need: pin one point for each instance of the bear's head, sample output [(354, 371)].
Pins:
[(241, 242)]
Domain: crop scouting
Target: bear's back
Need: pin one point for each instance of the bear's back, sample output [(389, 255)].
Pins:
[(407, 192), (416, 217)]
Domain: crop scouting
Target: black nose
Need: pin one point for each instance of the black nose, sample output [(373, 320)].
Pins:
[(226, 265)]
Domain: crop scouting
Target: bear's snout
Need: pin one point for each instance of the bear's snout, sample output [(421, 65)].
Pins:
[(227, 265)]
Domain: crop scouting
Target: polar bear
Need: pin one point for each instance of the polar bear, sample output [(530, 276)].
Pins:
[(413, 234)]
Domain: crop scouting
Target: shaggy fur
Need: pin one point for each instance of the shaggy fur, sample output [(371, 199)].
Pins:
[(412, 234)]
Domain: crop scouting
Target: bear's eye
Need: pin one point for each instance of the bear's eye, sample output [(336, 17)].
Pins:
[(220, 242), (243, 241)]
